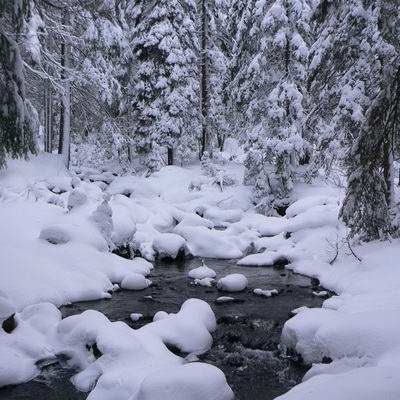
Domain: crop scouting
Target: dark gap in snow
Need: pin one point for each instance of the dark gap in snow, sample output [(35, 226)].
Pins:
[(124, 251), (315, 283), (281, 209), (281, 262), (181, 255), (175, 350), (9, 324), (94, 349)]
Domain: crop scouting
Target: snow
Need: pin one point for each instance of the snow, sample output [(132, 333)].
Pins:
[(202, 272), (57, 233), (265, 293), (135, 281), (233, 283)]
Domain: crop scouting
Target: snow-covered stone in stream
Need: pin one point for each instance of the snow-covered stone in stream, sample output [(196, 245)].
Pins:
[(160, 315), (225, 299), (137, 363), (202, 272), (233, 283), (298, 334), (28, 343), (194, 381), (323, 293), (135, 281), (135, 316), (266, 293), (209, 243), (168, 244), (208, 282), (299, 310), (266, 258)]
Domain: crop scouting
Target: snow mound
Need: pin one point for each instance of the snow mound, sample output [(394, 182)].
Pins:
[(193, 381), (202, 272), (168, 245), (368, 383), (267, 258), (233, 283), (135, 281), (114, 360)]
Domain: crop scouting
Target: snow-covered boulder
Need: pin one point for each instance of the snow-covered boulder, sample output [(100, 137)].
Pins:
[(135, 281), (233, 283), (298, 334), (202, 272), (194, 381), (168, 245)]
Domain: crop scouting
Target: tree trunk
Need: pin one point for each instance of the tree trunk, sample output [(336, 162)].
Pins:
[(48, 126), (388, 173), (170, 156), (65, 121), (204, 78)]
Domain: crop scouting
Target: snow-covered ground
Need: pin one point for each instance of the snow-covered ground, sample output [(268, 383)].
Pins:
[(57, 230)]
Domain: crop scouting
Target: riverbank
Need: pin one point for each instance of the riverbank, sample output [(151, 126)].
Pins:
[(58, 228)]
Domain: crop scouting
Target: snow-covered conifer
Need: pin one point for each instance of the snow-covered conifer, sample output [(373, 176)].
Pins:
[(270, 88), (18, 118), (354, 75), (165, 96)]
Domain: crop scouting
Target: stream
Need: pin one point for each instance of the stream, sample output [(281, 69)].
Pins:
[(245, 344)]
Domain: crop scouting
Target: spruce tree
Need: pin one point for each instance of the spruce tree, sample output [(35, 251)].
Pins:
[(165, 98), (270, 90), (355, 74), (18, 120)]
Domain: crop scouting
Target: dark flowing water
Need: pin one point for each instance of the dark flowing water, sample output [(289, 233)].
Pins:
[(245, 344)]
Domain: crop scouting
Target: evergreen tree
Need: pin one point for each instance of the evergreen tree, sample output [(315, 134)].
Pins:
[(355, 74), (18, 119), (271, 90), (165, 98)]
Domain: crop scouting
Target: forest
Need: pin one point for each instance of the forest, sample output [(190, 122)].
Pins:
[(199, 199), (303, 85)]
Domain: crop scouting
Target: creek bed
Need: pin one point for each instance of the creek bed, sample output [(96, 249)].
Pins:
[(245, 344)]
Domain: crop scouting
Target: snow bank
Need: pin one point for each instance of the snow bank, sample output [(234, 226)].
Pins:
[(116, 361), (357, 329), (57, 233)]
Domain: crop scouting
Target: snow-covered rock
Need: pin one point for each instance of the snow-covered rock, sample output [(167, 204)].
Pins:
[(135, 281), (202, 272), (265, 293), (168, 245), (233, 283)]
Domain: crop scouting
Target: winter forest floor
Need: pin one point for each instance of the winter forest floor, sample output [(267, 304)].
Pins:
[(57, 228)]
